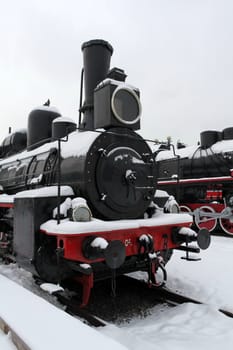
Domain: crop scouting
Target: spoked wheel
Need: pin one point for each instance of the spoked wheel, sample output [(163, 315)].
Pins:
[(205, 221), (227, 225)]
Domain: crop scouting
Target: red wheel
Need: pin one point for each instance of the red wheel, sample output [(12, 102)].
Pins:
[(205, 221), (227, 225), (184, 209)]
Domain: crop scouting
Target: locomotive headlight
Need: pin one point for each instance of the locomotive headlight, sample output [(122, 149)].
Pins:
[(171, 206), (80, 210), (126, 105), (81, 213), (116, 104)]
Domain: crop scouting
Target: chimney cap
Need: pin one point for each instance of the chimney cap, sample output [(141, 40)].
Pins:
[(97, 42)]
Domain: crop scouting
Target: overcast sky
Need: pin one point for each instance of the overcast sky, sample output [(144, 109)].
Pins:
[(179, 53)]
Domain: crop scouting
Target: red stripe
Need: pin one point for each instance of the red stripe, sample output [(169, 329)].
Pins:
[(6, 205), (201, 180)]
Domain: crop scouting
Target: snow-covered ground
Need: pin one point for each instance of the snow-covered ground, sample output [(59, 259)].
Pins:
[(187, 326)]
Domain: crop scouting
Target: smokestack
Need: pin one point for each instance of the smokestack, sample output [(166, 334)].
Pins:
[(96, 62)]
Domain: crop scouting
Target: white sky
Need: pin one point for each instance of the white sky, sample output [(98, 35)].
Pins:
[(178, 52)]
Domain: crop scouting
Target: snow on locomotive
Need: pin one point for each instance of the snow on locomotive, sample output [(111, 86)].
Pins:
[(74, 199), (201, 178)]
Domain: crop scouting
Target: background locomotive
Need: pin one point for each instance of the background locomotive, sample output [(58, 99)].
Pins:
[(201, 177), (108, 166)]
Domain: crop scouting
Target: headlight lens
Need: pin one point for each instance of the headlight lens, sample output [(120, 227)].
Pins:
[(81, 213)]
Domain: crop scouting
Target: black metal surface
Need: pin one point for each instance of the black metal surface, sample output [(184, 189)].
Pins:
[(189, 248), (100, 175), (117, 74), (227, 133), (115, 254), (116, 175), (40, 126), (13, 143), (204, 163), (209, 137), (110, 193), (96, 58), (29, 214), (203, 239), (62, 128)]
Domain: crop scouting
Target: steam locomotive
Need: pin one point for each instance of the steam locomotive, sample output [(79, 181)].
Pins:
[(74, 198), (201, 177)]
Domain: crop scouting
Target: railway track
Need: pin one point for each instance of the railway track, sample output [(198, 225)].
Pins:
[(73, 308), (175, 299), (133, 298)]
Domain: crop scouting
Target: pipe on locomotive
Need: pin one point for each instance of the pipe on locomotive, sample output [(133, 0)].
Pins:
[(96, 61)]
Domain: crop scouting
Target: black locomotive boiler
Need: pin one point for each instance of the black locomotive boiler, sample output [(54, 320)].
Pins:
[(201, 178), (74, 198)]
